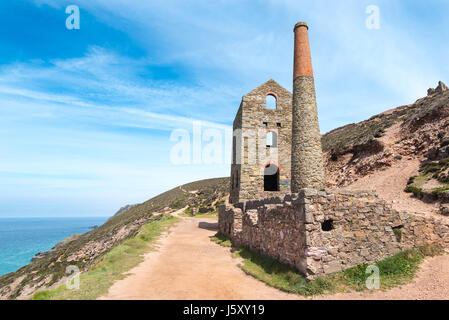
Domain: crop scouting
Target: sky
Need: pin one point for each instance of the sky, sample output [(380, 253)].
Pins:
[(89, 117)]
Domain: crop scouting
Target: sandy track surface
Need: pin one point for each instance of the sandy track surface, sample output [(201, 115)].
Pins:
[(188, 265)]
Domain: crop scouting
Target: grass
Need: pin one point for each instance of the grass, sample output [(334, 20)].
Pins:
[(221, 240), (113, 265), (212, 215), (396, 270), (53, 266), (428, 171)]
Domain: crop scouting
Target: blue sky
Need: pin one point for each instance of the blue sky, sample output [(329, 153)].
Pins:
[(86, 115)]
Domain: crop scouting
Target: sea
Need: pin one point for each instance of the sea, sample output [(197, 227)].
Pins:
[(22, 238)]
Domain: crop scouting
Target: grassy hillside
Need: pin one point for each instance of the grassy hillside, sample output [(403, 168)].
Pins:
[(356, 134), (87, 249)]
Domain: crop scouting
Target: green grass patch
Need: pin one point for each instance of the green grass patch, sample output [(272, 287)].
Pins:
[(221, 239), (113, 265), (212, 214), (438, 191), (412, 189), (396, 270)]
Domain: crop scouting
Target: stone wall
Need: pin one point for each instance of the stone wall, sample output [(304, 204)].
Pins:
[(251, 157), (363, 229)]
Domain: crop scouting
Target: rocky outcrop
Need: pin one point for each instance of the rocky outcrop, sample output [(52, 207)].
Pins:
[(59, 245), (439, 89), (125, 209), (416, 131)]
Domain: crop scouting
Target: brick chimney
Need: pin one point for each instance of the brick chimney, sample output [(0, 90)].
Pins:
[(307, 158)]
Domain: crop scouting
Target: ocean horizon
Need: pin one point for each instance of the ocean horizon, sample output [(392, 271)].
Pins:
[(22, 238)]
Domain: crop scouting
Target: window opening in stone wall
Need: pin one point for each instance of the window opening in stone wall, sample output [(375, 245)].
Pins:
[(272, 139), (271, 178), (398, 232), (327, 225), (271, 102)]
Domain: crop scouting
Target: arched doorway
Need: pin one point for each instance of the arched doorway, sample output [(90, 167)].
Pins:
[(271, 178)]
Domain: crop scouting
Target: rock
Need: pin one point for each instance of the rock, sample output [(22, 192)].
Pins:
[(444, 209), (332, 267), (440, 89), (60, 244), (125, 209)]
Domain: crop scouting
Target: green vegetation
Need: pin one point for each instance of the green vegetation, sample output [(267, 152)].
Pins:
[(445, 143), (430, 170), (113, 265), (221, 240), (342, 139), (398, 234), (396, 270), (211, 214), (195, 194), (415, 190)]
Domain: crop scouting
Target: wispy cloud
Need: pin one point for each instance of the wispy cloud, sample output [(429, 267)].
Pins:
[(96, 125)]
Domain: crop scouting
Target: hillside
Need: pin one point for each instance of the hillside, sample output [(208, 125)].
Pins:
[(86, 249), (402, 153)]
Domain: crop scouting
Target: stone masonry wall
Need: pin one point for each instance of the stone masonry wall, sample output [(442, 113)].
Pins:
[(365, 229), (307, 157), (251, 159)]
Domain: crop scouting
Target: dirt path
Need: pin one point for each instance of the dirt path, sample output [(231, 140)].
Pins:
[(189, 266)]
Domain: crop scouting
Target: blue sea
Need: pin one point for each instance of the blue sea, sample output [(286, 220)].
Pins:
[(22, 238)]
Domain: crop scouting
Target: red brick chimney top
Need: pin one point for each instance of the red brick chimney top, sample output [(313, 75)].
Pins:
[(302, 56)]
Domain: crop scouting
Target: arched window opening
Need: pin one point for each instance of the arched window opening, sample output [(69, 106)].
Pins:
[(271, 178), (272, 139), (232, 182), (271, 102)]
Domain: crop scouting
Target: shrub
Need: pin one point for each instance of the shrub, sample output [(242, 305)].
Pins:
[(415, 190), (411, 180)]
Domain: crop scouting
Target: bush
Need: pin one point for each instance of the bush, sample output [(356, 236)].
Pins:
[(411, 180), (415, 190)]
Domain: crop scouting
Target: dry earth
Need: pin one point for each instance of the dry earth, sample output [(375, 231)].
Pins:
[(188, 265)]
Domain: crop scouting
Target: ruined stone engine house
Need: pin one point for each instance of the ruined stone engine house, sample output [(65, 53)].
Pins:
[(279, 206)]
